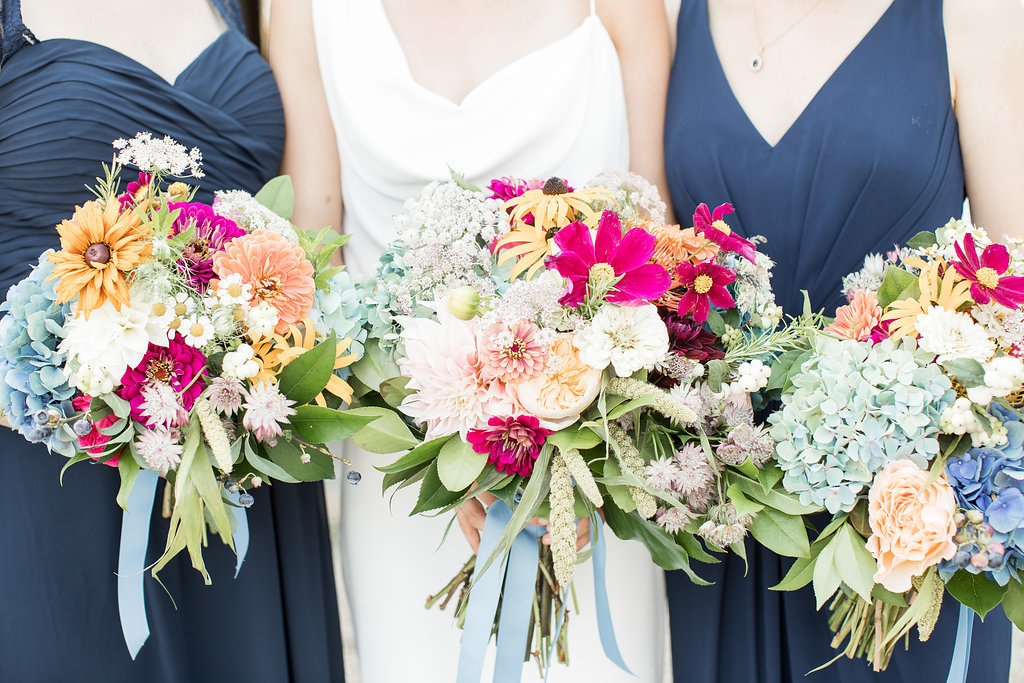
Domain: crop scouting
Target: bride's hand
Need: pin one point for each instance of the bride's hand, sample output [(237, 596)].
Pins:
[(472, 516), (582, 532)]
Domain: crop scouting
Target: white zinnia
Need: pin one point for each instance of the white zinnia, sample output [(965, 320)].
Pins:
[(626, 337), (951, 336)]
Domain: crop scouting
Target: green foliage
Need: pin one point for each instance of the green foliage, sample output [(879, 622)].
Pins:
[(967, 371), (278, 195), (322, 425), (320, 246), (288, 456), (425, 452), (375, 367), (458, 465), (897, 284), (307, 375), (267, 467), (434, 494), (976, 591), (922, 240), (718, 372), (388, 433), (664, 550), (782, 533), (785, 367), (393, 391), (1013, 603), (129, 471)]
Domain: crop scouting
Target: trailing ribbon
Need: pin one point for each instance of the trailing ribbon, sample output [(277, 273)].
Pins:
[(962, 648), (241, 534), (517, 578), (131, 561)]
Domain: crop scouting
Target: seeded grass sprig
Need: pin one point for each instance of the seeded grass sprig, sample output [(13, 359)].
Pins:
[(563, 521), (631, 463), (662, 401)]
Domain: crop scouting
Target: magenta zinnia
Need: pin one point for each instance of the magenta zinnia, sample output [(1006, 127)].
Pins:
[(986, 273), (613, 256), (211, 233), (511, 443), (175, 365), (711, 225), (704, 285)]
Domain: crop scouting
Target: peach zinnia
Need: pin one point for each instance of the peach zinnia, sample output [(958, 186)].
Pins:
[(277, 270), (856, 320), (99, 247)]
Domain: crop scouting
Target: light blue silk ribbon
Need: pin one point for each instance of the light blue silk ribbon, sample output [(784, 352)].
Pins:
[(962, 647), (516, 579), (241, 534), (131, 561)]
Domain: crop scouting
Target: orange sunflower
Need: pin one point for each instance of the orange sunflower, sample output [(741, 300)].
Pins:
[(99, 248)]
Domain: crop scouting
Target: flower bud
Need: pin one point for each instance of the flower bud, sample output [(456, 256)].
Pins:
[(979, 561), (975, 516), (963, 536), (464, 303)]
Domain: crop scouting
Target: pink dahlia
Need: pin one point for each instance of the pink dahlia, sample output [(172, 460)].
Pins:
[(175, 365), (510, 353), (624, 259), (211, 234), (94, 441), (705, 285), (451, 393), (715, 229), (266, 409), (511, 443), (506, 188), (276, 269), (986, 273)]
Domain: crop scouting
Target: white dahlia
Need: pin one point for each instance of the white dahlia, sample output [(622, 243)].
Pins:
[(626, 337), (951, 335)]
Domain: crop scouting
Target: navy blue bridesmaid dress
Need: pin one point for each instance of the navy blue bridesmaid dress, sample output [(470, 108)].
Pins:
[(62, 103), (872, 160)]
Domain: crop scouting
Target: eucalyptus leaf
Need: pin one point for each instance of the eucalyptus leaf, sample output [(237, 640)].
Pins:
[(458, 465), (967, 371), (386, 434)]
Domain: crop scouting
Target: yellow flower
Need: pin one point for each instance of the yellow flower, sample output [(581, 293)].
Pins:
[(530, 244), (277, 351), (948, 290), (99, 248)]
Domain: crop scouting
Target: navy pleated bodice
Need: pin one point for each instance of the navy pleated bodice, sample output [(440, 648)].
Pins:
[(873, 159), (62, 103)]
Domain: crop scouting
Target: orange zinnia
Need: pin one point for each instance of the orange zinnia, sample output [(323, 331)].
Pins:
[(99, 248)]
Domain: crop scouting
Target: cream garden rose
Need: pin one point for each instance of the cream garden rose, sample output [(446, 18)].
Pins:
[(558, 396), (911, 529)]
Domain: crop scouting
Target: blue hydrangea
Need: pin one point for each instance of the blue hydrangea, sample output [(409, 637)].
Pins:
[(340, 307), (991, 480), (851, 410), (31, 363)]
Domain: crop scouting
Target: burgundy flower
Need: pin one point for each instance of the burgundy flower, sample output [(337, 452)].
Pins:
[(986, 273), (511, 443), (691, 340), (212, 232), (715, 229), (176, 365), (94, 442), (614, 255), (704, 285)]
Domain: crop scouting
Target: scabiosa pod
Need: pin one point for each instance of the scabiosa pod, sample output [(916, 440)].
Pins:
[(215, 435), (563, 521)]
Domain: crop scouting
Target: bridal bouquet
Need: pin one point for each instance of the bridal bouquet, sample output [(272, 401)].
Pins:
[(546, 346), (176, 338), (902, 420)]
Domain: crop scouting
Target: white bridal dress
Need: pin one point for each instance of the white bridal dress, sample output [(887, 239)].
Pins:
[(394, 137)]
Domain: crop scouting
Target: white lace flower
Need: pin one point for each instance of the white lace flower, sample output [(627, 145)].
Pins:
[(951, 335), (249, 214), (159, 449), (159, 156), (627, 337)]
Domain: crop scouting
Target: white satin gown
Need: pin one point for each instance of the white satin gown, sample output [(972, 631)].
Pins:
[(394, 137)]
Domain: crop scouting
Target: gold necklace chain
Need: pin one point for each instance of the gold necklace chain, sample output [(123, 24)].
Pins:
[(757, 61)]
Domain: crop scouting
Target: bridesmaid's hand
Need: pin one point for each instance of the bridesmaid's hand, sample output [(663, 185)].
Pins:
[(472, 516)]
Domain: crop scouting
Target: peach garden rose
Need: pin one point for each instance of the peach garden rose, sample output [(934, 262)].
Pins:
[(911, 529), (558, 396)]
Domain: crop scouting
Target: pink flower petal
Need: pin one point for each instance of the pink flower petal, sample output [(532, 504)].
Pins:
[(634, 250), (609, 234), (575, 237), (996, 257), (979, 293), (720, 297)]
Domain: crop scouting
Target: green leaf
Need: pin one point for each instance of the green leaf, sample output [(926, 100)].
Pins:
[(425, 452), (376, 366), (1013, 603), (922, 240), (629, 406), (386, 434), (458, 465), (718, 372), (782, 533), (665, 552), (77, 457), (129, 470), (783, 502), (887, 596), (619, 494), (976, 591), (322, 425), (743, 505), (967, 371), (288, 456), (897, 282), (393, 391), (825, 577), (118, 405), (433, 494), (798, 576), (785, 366), (855, 564), (716, 323), (306, 376), (462, 182), (278, 195), (575, 437), (261, 464), (210, 492)]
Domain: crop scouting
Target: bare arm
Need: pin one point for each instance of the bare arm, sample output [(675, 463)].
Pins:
[(639, 30), (310, 150), (986, 55)]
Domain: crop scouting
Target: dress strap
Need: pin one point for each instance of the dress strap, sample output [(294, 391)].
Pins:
[(593, 8), (232, 14), (14, 35)]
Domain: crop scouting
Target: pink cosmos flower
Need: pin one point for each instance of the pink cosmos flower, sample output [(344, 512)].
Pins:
[(176, 365), (94, 441), (211, 234), (716, 230), (986, 273), (613, 255), (511, 353), (705, 285), (512, 443), (132, 194)]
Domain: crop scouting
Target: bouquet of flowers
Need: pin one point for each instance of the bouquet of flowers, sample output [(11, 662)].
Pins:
[(902, 420), (192, 341), (544, 345)]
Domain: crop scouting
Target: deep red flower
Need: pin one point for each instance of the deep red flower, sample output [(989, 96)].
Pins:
[(93, 442), (613, 255), (511, 443), (691, 340), (704, 285), (986, 273), (715, 229), (132, 193)]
